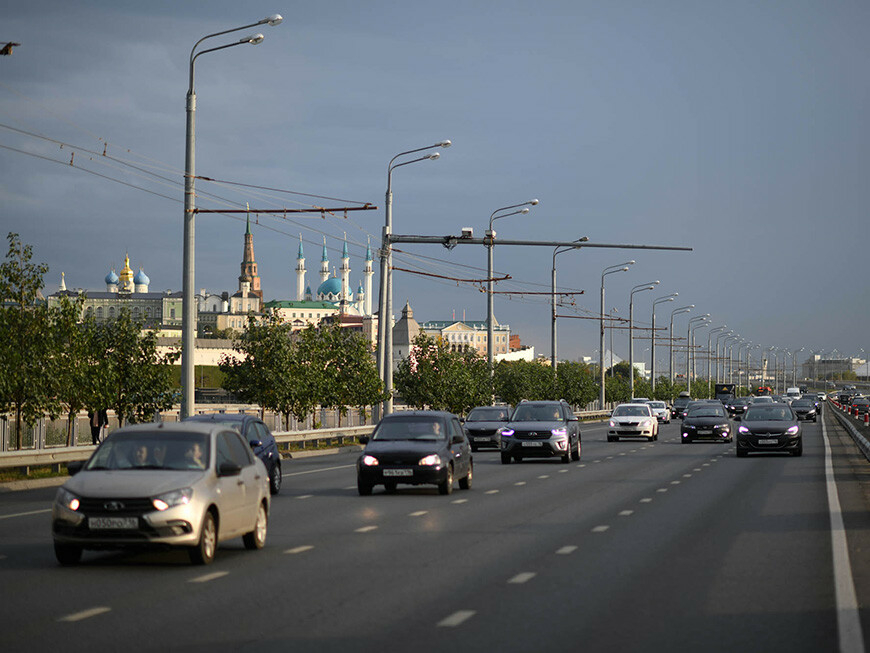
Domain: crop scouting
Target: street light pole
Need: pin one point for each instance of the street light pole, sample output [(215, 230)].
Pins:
[(676, 311), (694, 359), (557, 250), (490, 234), (622, 267), (652, 344), (690, 345), (188, 301), (385, 299), (639, 288), (719, 373), (794, 366), (718, 329)]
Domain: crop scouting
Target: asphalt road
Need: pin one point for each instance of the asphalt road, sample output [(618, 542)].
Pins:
[(639, 546)]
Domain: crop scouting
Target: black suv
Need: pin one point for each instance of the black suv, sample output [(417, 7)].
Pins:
[(257, 435), (541, 429)]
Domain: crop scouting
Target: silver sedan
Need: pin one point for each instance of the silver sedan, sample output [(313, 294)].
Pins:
[(186, 484)]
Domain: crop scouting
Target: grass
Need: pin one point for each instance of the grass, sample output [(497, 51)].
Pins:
[(19, 474)]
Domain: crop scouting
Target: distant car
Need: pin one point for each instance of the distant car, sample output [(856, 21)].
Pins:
[(738, 405), (861, 404), (420, 447), (769, 428), (172, 484), (483, 423), (257, 435), (764, 399), (707, 422), (541, 429), (633, 421), (661, 411), (639, 400), (822, 396), (679, 405), (805, 408)]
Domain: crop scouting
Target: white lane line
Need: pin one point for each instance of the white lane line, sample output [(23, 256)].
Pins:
[(25, 514), (626, 513), (418, 513), (299, 549), (351, 487), (85, 614), (675, 482), (646, 500), (633, 451), (563, 471), (622, 454), (596, 461), (544, 476), (662, 489), (317, 471), (524, 577), (583, 465), (208, 577), (687, 476), (366, 529), (457, 618), (848, 617), (697, 469), (566, 550), (305, 496), (705, 465), (609, 457), (520, 483), (600, 529), (492, 492), (460, 501)]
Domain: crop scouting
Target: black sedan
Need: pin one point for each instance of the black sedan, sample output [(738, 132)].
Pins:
[(483, 423), (707, 422), (769, 428), (418, 448), (738, 405), (542, 429), (256, 434), (805, 408)]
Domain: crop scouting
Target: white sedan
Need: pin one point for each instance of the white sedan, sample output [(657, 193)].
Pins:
[(661, 411), (633, 421)]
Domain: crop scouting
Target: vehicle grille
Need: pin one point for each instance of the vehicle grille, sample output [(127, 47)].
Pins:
[(115, 507)]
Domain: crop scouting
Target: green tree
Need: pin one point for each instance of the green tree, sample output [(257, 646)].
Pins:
[(76, 365), (616, 389), (575, 383), (518, 380)]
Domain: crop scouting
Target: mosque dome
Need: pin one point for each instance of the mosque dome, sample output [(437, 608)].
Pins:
[(330, 287), (112, 278), (141, 278)]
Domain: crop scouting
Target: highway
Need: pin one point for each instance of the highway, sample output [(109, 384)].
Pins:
[(638, 546)]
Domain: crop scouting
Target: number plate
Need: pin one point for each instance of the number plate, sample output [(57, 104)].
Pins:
[(533, 444), (705, 432), (102, 523), (768, 441), (398, 472), (481, 439)]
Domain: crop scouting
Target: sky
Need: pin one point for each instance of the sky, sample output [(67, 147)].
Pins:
[(736, 129)]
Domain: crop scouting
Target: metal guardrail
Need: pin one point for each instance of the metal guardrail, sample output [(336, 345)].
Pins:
[(850, 425)]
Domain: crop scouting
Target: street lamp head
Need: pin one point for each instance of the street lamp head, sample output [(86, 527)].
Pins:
[(434, 155), (253, 39), (583, 239), (274, 19), (444, 144), (524, 211), (624, 270), (534, 202)]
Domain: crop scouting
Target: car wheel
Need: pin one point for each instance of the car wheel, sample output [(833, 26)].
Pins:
[(615, 438), (446, 486), (67, 554), (257, 537), (203, 552), (505, 459), (465, 483), (576, 455), (686, 441), (814, 419), (741, 454), (275, 478), (799, 451), (390, 487), (518, 459), (651, 438), (363, 488)]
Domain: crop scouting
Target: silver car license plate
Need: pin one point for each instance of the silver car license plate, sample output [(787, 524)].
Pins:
[(105, 523), (768, 441), (398, 472), (533, 444)]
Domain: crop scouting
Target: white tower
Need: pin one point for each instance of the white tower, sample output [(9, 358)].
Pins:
[(367, 273), (324, 264), (345, 274), (300, 273)]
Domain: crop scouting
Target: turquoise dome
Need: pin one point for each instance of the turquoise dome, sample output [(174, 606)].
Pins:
[(112, 278), (141, 278), (330, 287)]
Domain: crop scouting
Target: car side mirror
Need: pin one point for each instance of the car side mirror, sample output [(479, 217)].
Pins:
[(255, 444), (229, 469), (458, 439), (462, 420), (573, 418), (363, 439), (75, 467)]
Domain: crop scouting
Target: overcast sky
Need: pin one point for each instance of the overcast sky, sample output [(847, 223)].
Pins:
[(738, 129)]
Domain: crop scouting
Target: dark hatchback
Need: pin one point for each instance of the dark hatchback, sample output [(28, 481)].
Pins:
[(859, 404), (738, 405), (805, 409), (678, 408), (257, 435), (707, 422), (541, 429), (421, 447), (769, 428), (483, 423)]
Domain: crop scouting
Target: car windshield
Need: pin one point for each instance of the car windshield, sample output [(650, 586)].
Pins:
[(768, 414), (631, 410), (152, 450), (537, 413), (706, 411), (494, 414), (410, 428), (803, 403), (657, 404), (763, 400)]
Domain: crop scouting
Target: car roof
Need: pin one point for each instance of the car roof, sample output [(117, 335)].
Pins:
[(220, 417), (172, 427), (419, 413)]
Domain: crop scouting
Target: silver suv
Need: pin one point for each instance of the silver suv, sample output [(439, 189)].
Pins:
[(541, 429)]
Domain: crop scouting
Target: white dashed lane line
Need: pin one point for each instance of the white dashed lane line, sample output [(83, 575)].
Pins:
[(418, 513), (675, 482), (544, 476), (299, 549), (456, 619), (646, 500), (600, 529), (566, 550), (563, 471), (366, 529), (85, 614), (460, 501), (209, 577), (626, 513), (26, 514), (305, 496), (524, 577), (491, 492), (662, 489), (687, 476), (520, 483)]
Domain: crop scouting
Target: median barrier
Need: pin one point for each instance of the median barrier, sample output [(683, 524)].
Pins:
[(859, 438)]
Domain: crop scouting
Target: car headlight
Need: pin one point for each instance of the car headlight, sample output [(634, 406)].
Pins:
[(171, 499), (793, 430), (646, 422), (67, 499), (432, 460), (744, 430), (612, 424), (560, 431), (721, 426), (369, 461), (506, 432)]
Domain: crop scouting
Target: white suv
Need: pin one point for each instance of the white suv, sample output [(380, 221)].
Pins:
[(661, 411)]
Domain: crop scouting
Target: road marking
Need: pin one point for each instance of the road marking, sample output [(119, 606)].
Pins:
[(563, 471), (609, 457), (456, 618), (583, 465), (596, 461), (492, 491), (544, 476), (351, 487), (675, 482), (600, 529), (520, 483), (626, 513), (697, 469), (848, 618), (85, 614), (299, 549), (25, 514), (622, 454), (566, 550), (460, 501), (687, 476), (305, 496), (646, 500), (212, 576), (662, 489), (419, 513), (524, 577), (366, 529), (317, 471), (633, 451), (705, 465)]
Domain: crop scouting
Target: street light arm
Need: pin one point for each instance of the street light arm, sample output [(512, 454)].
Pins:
[(505, 208), (444, 144), (275, 19)]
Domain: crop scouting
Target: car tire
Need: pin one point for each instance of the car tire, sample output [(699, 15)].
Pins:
[(275, 479), (686, 441), (505, 459), (446, 486), (465, 482), (363, 488), (390, 487), (256, 539), (67, 554), (741, 454), (615, 438), (203, 552), (575, 456), (799, 450), (518, 459)]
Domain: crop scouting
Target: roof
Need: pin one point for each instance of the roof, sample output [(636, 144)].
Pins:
[(478, 325), (299, 303)]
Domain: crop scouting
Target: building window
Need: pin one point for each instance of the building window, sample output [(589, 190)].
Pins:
[(111, 311), (99, 311), (171, 312)]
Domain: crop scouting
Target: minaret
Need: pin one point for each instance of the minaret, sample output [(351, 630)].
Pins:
[(62, 283), (324, 263), (368, 273), (345, 273), (249, 265), (300, 273)]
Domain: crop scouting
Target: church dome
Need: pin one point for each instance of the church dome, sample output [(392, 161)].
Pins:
[(330, 287), (112, 278), (141, 278)]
